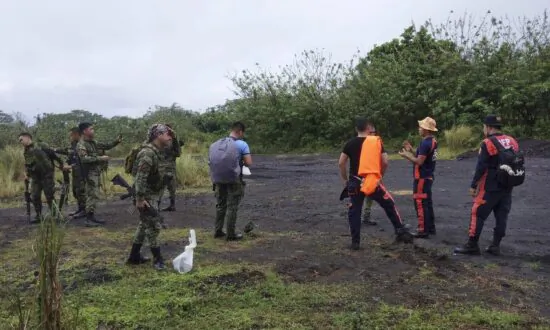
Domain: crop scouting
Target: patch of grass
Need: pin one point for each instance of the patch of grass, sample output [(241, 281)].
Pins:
[(192, 174), (218, 293), (12, 166), (459, 138)]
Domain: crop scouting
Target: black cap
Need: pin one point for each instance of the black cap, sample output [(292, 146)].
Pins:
[(493, 121), (83, 126)]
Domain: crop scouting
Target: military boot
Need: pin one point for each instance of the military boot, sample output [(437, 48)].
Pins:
[(91, 221), (158, 262), (38, 216), (494, 248), (471, 247), (404, 235), (234, 237), (79, 213), (135, 257), (172, 206)]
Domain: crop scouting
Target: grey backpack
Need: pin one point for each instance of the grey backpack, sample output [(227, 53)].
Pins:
[(224, 161)]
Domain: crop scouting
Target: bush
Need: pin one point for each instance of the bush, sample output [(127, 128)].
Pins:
[(460, 138), (192, 171)]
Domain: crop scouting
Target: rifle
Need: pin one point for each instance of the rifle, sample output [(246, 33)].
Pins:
[(64, 198), (118, 180), (28, 199)]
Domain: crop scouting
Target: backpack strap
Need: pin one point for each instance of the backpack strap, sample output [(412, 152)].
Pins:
[(496, 143)]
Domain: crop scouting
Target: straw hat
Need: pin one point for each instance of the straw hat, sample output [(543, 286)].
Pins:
[(427, 124)]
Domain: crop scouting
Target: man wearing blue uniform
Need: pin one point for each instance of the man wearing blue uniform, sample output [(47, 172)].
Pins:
[(424, 167), (490, 196)]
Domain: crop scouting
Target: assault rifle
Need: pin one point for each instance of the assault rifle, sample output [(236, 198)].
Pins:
[(28, 199), (118, 180), (64, 198)]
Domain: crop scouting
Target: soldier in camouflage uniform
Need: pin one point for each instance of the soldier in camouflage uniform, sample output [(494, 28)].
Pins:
[(148, 184), (39, 167), (168, 168), (90, 162), (78, 182)]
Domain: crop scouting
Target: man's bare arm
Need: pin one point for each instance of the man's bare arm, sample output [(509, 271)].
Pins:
[(342, 162)]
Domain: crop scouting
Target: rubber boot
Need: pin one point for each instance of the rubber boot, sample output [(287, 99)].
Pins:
[(158, 262), (404, 235), (494, 248), (91, 221), (471, 247), (135, 257), (172, 206)]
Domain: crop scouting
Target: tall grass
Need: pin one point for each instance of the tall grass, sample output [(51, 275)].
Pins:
[(460, 138), (191, 171), (12, 169)]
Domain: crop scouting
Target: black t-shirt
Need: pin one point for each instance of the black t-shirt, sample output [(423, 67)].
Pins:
[(353, 150)]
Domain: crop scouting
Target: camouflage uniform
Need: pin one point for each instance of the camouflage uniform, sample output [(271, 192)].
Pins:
[(228, 198), (40, 169), (148, 185), (168, 170), (87, 151), (78, 182), (102, 147)]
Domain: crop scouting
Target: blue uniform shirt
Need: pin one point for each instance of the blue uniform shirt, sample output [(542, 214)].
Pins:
[(428, 149)]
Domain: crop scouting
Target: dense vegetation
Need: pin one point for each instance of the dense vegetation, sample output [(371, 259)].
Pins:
[(456, 72)]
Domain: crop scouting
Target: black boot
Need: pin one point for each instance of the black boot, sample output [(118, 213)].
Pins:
[(404, 235), (91, 221), (135, 257), (234, 237), (79, 213), (421, 234), (494, 248), (38, 216), (471, 247), (355, 246), (172, 206), (158, 262), (219, 234)]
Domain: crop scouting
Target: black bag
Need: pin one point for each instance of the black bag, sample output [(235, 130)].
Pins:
[(511, 166)]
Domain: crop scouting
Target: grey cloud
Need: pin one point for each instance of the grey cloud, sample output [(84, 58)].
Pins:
[(119, 57)]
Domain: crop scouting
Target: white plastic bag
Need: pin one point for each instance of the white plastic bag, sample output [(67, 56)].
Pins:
[(246, 170), (184, 262)]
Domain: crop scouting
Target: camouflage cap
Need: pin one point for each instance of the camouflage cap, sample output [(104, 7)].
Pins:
[(156, 130)]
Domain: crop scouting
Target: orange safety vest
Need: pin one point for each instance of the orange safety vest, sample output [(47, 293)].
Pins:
[(370, 164)]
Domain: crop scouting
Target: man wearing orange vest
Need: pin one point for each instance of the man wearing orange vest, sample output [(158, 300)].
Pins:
[(424, 168), (367, 166)]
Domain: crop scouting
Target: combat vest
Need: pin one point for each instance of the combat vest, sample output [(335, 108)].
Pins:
[(370, 165)]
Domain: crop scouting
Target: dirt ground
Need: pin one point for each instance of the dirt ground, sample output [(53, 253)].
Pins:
[(295, 198)]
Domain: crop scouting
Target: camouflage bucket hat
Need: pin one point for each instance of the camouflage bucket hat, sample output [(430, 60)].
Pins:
[(156, 130)]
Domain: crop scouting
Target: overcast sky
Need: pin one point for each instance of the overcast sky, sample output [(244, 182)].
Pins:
[(118, 57)]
